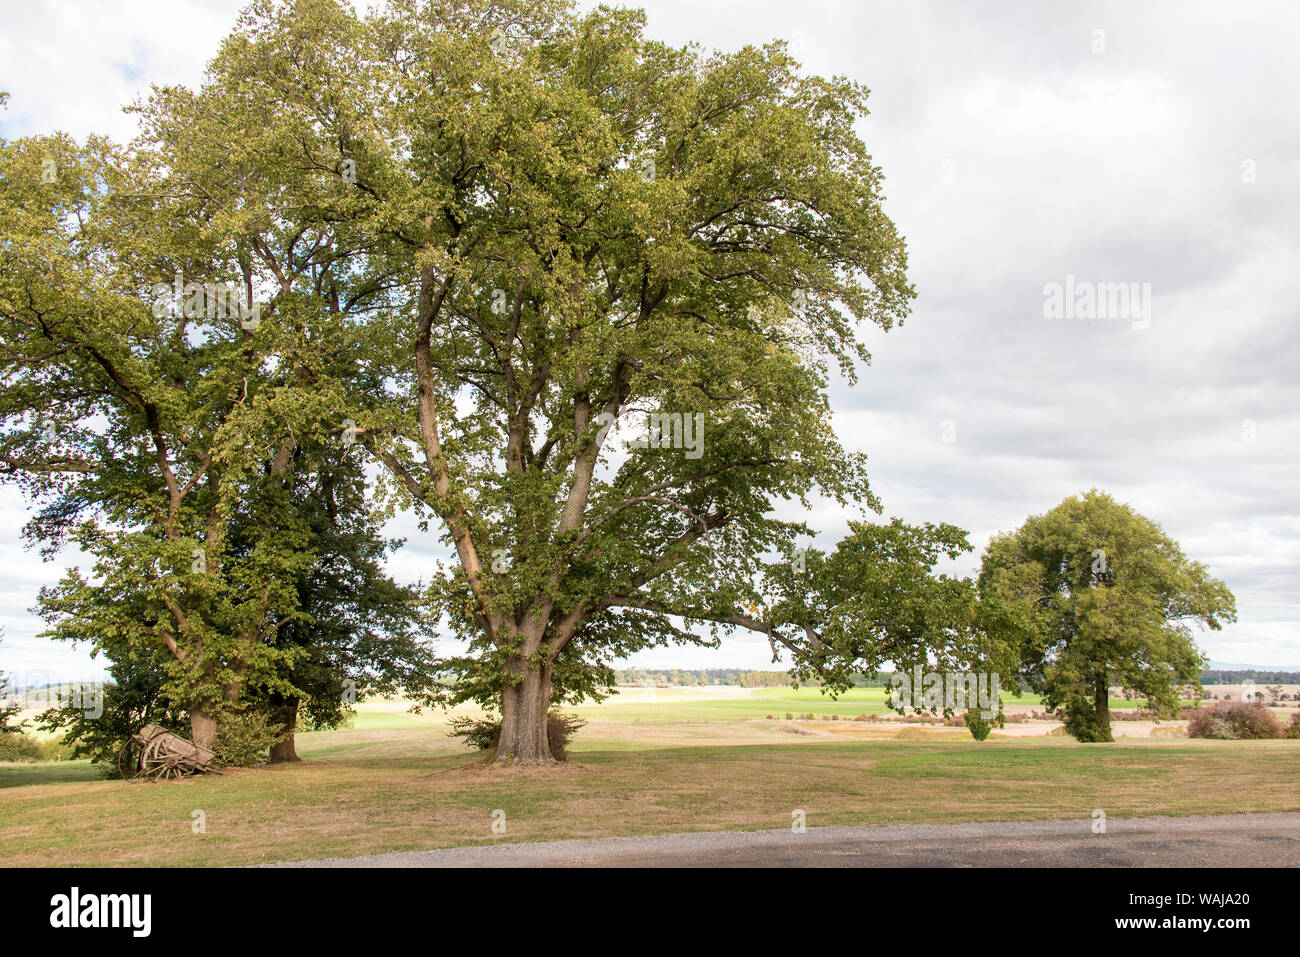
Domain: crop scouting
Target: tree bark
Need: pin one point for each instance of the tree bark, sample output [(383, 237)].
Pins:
[(286, 713), (203, 727), (1101, 706), (524, 709)]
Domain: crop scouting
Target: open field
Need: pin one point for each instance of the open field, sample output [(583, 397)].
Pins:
[(671, 760)]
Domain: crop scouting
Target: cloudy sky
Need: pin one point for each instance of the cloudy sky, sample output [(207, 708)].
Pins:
[(1024, 145)]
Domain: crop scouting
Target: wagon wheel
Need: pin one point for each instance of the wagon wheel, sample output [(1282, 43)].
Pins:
[(122, 763), (157, 763)]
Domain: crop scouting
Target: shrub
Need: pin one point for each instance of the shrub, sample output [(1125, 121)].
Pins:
[(789, 716), (1239, 719), (769, 717), (484, 733), (978, 724), (16, 746), (1293, 729), (244, 738), (861, 717), (1210, 727)]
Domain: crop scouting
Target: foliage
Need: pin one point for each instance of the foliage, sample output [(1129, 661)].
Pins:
[(979, 725), (573, 226), (15, 745), (7, 709), (133, 697), (175, 434), (244, 737), (1099, 596), (1234, 719)]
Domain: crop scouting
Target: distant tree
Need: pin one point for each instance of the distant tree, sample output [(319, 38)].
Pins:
[(1103, 597), (7, 710)]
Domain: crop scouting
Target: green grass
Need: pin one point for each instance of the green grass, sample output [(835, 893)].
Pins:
[(644, 764), (364, 792), (18, 774)]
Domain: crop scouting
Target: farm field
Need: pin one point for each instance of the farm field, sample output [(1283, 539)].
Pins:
[(648, 761)]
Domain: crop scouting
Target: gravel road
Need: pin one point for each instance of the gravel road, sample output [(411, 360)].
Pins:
[(1238, 840)]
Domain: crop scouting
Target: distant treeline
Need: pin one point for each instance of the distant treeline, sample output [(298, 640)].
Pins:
[(777, 679), (1259, 677), (723, 676)]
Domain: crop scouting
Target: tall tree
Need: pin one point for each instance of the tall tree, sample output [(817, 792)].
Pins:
[(588, 227), (171, 372), (1103, 598)]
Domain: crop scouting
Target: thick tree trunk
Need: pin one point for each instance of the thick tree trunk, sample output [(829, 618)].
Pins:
[(286, 713), (1101, 706), (524, 708), (203, 727)]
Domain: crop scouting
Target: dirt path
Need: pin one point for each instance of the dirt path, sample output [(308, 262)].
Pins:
[(1239, 840)]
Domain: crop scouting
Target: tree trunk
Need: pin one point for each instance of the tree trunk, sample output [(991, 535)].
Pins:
[(203, 727), (1101, 706), (524, 708), (285, 713)]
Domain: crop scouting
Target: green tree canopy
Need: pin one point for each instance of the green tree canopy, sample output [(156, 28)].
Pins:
[(584, 226), (577, 294), (1101, 597), (170, 376)]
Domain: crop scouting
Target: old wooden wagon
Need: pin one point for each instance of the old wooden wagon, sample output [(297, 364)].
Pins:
[(166, 755)]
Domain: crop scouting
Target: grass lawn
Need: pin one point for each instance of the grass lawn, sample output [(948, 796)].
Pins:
[(397, 782)]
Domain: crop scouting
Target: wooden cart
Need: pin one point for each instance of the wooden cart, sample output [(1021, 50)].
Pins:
[(166, 755)]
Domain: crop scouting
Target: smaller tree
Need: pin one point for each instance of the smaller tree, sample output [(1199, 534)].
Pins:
[(8, 704), (1103, 598)]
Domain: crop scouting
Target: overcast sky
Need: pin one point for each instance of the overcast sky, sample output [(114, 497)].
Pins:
[(1154, 144)]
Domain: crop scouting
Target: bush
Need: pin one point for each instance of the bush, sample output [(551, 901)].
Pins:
[(1293, 729), (1211, 727), (16, 746), (789, 716), (484, 733), (1234, 719), (244, 738), (978, 724)]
